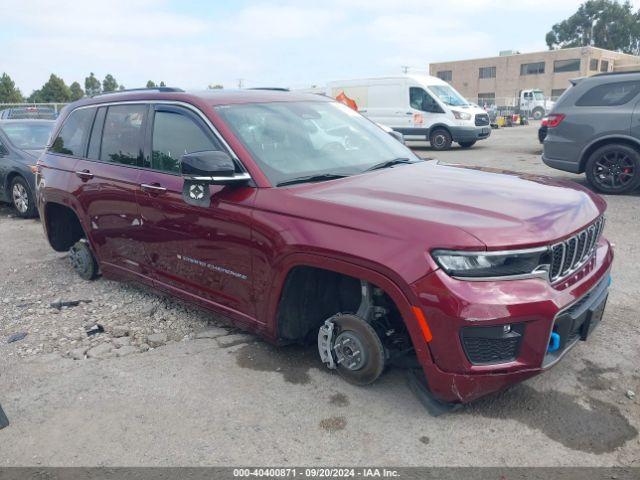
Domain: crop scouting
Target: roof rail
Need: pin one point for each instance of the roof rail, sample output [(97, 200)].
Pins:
[(604, 74), (155, 89), (275, 89)]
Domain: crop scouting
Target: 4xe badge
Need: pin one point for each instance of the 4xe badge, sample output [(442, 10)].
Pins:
[(196, 193)]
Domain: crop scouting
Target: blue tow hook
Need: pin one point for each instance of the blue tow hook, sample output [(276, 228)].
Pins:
[(554, 342)]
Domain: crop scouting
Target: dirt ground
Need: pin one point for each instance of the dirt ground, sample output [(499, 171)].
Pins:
[(169, 385)]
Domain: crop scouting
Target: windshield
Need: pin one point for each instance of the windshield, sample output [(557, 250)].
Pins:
[(448, 95), (538, 95), (289, 140), (28, 136)]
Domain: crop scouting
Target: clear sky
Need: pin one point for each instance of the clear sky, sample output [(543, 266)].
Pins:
[(266, 43)]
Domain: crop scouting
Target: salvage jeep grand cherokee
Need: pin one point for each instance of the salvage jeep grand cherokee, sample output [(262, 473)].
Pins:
[(303, 221)]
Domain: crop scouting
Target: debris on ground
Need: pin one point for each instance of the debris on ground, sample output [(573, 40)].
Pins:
[(631, 394), (59, 304), (16, 337), (94, 329), (4, 421)]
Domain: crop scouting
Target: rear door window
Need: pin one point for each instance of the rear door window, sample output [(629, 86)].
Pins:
[(609, 94), (123, 134), (71, 139), (176, 133)]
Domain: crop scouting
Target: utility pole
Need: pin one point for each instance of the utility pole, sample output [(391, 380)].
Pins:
[(405, 68), (240, 82)]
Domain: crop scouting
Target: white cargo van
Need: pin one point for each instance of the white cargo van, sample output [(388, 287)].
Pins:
[(418, 106)]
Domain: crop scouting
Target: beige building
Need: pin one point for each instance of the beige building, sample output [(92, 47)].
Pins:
[(500, 79)]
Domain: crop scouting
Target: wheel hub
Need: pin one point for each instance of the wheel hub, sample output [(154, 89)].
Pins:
[(349, 351), (20, 198)]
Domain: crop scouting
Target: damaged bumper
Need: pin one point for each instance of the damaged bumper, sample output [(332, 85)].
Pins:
[(489, 335)]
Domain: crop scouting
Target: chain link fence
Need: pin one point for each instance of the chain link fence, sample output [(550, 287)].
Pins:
[(47, 111)]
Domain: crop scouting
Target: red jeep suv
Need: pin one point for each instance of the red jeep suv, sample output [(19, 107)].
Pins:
[(303, 221)]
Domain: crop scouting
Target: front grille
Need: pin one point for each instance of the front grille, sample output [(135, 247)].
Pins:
[(488, 345), (569, 255), (482, 119)]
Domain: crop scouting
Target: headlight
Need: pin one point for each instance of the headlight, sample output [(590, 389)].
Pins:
[(461, 115), (513, 264)]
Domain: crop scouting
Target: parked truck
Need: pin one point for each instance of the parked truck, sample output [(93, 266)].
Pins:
[(420, 107), (534, 103)]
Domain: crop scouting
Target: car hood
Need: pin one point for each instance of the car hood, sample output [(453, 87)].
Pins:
[(33, 153), (500, 209)]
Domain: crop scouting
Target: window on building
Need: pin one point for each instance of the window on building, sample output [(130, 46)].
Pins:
[(609, 95), (123, 134), (72, 136), (593, 65), (570, 65), (556, 92), (486, 99), (487, 72), (446, 75), (532, 68), (604, 65)]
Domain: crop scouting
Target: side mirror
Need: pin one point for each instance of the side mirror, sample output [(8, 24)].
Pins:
[(212, 167)]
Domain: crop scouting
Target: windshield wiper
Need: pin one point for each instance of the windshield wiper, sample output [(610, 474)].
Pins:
[(388, 163), (311, 178)]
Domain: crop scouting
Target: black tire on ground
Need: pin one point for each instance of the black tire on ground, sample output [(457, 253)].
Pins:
[(614, 169), (537, 113), (440, 139), (467, 144), (363, 336), (22, 198), (83, 261)]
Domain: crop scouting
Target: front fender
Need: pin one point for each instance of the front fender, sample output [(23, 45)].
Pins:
[(393, 285)]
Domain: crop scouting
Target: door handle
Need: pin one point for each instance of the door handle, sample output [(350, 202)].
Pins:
[(85, 175), (155, 188)]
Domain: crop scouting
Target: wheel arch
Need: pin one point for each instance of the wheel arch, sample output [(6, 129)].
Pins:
[(401, 295), (440, 126), (62, 225), (601, 142)]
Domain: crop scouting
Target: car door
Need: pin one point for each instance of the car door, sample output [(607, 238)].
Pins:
[(105, 184), (201, 247), (425, 108), (4, 169)]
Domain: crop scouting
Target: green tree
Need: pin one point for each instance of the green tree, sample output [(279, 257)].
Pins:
[(76, 91), (216, 86), (109, 84), (151, 84), (54, 91), (8, 91), (92, 85), (162, 84), (122, 87), (599, 23)]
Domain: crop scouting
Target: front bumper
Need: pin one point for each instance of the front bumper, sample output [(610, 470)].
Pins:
[(531, 305), (470, 134)]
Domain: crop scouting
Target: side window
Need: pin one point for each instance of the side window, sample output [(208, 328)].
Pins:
[(72, 136), (421, 100), (95, 140), (122, 136), (174, 135), (609, 95)]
